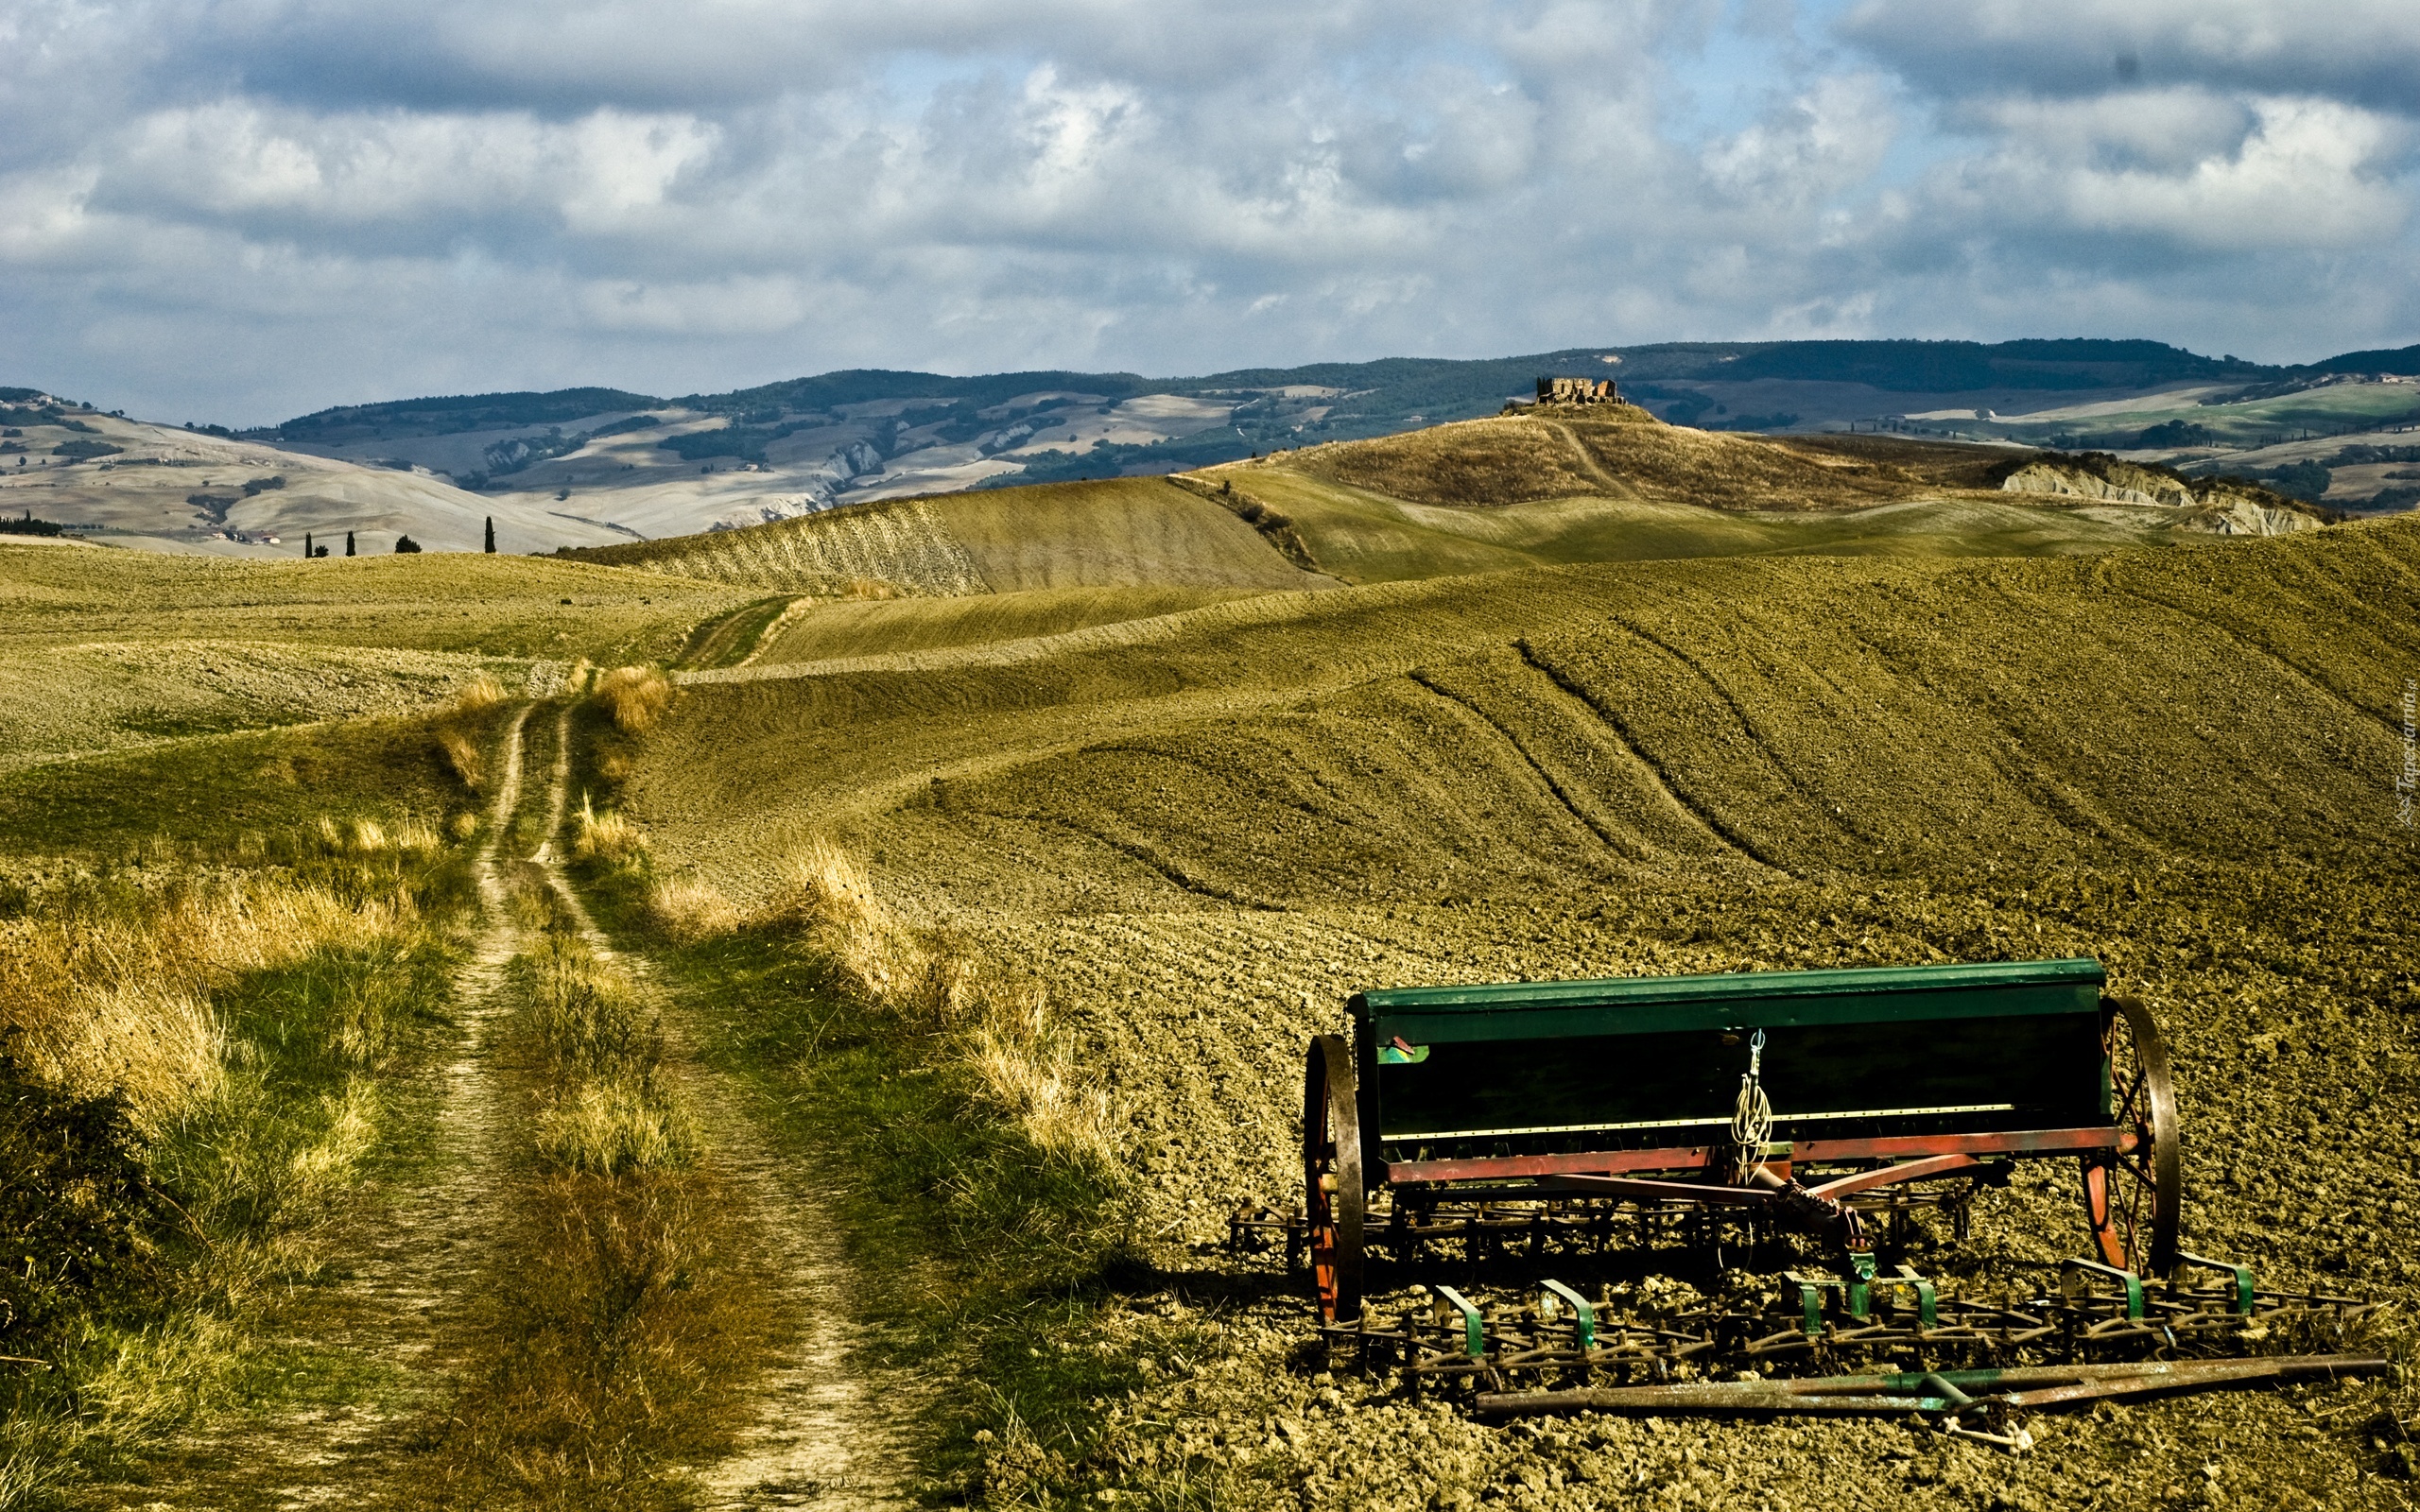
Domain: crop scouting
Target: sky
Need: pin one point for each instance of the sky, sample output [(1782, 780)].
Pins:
[(238, 211)]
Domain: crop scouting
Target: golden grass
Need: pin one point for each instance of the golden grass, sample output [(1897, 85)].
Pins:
[(609, 838), (637, 697), (999, 1021), (689, 910), (612, 1125), (113, 996), (602, 1110)]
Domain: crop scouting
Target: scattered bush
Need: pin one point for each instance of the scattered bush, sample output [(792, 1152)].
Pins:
[(607, 838), (2176, 433), (406, 546), (636, 696)]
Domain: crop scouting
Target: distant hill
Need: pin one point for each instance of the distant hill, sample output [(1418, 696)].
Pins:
[(1551, 485), (599, 463), (450, 415), (1365, 398)]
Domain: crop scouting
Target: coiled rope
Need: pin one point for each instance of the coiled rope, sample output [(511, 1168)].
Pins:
[(1752, 1116)]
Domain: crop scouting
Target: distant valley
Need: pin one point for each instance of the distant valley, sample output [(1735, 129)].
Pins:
[(589, 467)]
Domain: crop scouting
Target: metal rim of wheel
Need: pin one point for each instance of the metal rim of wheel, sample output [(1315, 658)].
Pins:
[(1332, 1189), (2133, 1195)]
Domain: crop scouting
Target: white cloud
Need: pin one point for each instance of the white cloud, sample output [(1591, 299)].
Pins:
[(336, 201)]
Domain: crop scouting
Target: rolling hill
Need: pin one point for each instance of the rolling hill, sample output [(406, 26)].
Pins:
[(581, 466), (1540, 486), (165, 488), (1155, 772)]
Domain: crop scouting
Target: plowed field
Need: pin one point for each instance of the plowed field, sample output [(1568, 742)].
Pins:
[(1204, 831)]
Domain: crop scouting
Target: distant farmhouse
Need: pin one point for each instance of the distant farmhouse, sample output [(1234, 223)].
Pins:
[(1577, 391)]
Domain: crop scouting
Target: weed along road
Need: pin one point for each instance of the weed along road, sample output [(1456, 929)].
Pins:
[(818, 1015)]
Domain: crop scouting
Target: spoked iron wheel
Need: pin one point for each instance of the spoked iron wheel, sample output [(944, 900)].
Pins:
[(1332, 1189), (2131, 1195)]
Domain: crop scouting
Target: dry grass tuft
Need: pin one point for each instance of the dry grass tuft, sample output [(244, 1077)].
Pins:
[(880, 958), (999, 1021), (867, 588), (612, 1126), (416, 837), (109, 992), (462, 753), (1027, 1071), (637, 697), (457, 728), (606, 837), (478, 694), (689, 910)]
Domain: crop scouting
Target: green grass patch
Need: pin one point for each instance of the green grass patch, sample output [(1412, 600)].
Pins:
[(981, 1264), (210, 1226), (227, 798), (727, 641)]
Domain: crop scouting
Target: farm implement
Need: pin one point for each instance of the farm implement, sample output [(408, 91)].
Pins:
[(1816, 1115)]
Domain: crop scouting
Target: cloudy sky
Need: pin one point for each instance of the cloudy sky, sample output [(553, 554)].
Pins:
[(240, 209)]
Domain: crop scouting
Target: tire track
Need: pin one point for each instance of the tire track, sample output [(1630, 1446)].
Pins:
[(1536, 768), (1715, 827), (402, 1290), (822, 1433)]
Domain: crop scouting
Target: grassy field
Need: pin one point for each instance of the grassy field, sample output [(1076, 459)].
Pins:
[(1209, 834), (969, 889), (1123, 533), (1519, 490), (829, 630), (466, 603)]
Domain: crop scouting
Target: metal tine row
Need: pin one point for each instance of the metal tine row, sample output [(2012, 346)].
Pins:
[(2096, 1312)]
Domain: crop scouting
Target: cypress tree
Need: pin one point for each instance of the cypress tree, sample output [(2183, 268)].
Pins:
[(308, 551), (348, 543), (490, 534)]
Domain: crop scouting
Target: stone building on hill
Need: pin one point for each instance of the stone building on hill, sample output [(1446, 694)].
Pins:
[(1577, 391)]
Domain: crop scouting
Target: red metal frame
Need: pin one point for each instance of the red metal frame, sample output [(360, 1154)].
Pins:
[(1931, 1150)]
